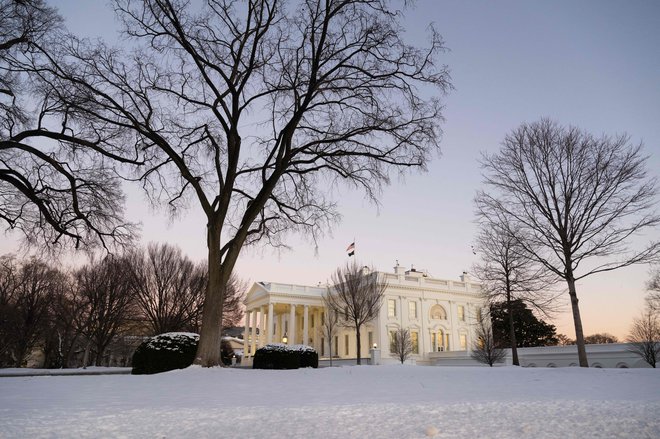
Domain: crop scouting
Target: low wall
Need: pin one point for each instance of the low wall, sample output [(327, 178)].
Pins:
[(599, 355)]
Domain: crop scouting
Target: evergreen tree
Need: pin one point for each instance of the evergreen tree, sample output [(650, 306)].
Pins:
[(530, 330)]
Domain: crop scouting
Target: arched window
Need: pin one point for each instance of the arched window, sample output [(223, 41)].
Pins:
[(438, 313)]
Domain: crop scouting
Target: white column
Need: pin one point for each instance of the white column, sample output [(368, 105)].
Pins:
[(282, 327), (262, 325), (305, 322), (254, 331), (270, 321), (292, 325), (246, 333)]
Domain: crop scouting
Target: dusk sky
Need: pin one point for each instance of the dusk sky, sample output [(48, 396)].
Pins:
[(594, 64)]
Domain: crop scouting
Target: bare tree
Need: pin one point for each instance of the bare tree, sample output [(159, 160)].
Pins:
[(401, 345), (508, 274), (576, 198), (356, 295), (653, 286), (104, 295), (233, 309), (168, 286), (64, 337), (55, 186), (486, 350), (564, 340), (26, 291), (253, 110), (330, 322), (600, 338), (8, 313), (645, 337)]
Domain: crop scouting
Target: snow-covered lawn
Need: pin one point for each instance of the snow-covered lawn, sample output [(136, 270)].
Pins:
[(347, 402)]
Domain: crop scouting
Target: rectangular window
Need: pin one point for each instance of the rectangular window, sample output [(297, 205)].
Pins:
[(391, 308), (312, 320), (336, 349), (370, 336), (322, 318), (322, 347), (461, 313), (286, 326), (412, 310), (414, 338), (434, 342), (346, 344), (463, 342), (392, 347)]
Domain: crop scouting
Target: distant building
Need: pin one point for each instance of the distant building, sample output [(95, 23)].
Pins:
[(439, 313)]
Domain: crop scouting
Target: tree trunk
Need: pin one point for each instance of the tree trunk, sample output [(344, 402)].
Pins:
[(357, 344), (512, 334), (208, 349), (577, 321)]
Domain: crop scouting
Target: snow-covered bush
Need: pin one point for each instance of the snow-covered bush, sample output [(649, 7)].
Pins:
[(163, 352), (282, 356)]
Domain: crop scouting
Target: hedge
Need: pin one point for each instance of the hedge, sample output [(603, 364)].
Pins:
[(282, 356), (170, 351)]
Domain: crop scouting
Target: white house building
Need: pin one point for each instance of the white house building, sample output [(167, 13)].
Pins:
[(439, 313)]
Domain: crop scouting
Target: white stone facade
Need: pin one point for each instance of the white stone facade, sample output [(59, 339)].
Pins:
[(439, 313)]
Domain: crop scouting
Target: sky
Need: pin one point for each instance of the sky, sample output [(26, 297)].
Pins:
[(593, 64)]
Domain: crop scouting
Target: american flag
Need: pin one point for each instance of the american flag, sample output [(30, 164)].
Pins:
[(351, 249)]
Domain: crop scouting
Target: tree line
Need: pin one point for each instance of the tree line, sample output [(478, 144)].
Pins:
[(97, 314), (247, 110)]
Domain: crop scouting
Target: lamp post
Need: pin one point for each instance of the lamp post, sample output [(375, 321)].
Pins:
[(285, 339)]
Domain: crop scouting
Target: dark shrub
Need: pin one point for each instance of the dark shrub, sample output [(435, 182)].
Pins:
[(281, 356), (169, 351)]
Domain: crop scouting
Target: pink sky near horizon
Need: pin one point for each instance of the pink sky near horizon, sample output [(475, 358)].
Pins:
[(594, 64)]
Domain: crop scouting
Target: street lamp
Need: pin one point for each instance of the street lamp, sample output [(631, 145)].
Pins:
[(375, 346), (285, 339)]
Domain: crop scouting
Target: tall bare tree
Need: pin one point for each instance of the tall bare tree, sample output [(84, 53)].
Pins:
[(578, 199), (356, 294), (55, 185), (486, 349), (253, 109), (105, 297), (330, 323), (645, 337), (508, 274), (402, 346)]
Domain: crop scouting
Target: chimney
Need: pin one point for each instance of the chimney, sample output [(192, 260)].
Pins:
[(399, 269), (465, 277)]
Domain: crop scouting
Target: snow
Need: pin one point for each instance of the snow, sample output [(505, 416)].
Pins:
[(172, 341), (348, 402)]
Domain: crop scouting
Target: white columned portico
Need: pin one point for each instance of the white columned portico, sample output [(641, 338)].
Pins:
[(270, 327), (305, 340), (262, 326), (253, 340), (246, 333), (292, 325)]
